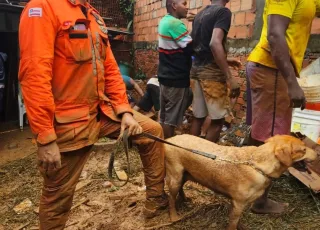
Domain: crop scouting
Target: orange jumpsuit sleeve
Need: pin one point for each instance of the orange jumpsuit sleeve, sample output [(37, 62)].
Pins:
[(115, 88), (37, 31)]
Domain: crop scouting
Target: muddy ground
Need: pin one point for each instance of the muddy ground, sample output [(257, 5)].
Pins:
[(97, 206)]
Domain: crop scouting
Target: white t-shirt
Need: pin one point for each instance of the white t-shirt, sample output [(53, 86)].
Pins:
[(153, 81)]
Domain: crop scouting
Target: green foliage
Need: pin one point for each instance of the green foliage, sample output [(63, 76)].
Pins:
[(140, 75), (127, 8), (126, 63)]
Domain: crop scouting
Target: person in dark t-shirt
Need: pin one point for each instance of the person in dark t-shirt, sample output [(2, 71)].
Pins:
[(211, 76)]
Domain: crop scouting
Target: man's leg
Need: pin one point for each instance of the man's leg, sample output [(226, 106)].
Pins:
[(174, 103), (58, 189), (205, 126), (168, 130), (199, 108), (265, 120), (145, 102), (154, 91), (196, 125), (249, 102), (217, 104), (254, 142), (152, 157), (214, 130), (264, 205)]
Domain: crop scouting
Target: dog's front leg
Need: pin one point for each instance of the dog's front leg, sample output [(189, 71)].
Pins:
[(235, 214), (173, 192), (174, 182)]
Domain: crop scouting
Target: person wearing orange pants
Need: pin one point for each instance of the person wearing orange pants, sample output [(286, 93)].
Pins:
[(74, 94), (57, 194)]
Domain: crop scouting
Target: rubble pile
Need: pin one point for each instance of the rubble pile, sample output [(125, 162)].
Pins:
[(236, 135)]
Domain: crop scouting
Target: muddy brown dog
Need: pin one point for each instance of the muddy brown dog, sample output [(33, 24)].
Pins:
[(241, 174)]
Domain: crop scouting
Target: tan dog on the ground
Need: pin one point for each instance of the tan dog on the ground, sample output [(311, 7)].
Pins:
[(241, 174)]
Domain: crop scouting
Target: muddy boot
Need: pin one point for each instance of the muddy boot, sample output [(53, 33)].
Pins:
[(154, 205)]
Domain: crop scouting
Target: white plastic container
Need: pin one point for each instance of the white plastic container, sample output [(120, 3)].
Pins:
[(310, 81), (307, 122), (311, 86)]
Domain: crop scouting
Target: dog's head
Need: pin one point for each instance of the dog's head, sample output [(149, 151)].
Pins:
[(289, 150)]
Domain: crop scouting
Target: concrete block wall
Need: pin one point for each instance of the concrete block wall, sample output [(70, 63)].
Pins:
[(243, 36)]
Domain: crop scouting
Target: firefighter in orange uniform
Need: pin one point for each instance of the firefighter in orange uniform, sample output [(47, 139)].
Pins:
[(74, 94)]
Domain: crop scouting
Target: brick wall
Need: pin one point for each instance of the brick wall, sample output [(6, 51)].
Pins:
[(243, 36), (147, 61), (243, 18), (148, 13)]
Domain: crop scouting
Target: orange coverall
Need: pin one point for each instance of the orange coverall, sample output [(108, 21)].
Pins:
[(74, 94)]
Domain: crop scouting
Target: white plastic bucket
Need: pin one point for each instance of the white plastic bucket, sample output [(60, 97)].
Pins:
[(311, 86), (307, 122)]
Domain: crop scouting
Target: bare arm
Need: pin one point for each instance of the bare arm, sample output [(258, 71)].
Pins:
[(136, 87), (220, 57), (277, 26), (233, 62), (217, 49)]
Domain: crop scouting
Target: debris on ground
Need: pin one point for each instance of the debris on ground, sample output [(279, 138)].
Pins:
[(23, 207), (23, 226), (107, 184), (121, 175), (83, 183), (36, 210), (105, 141), (142, 189), (33, 141), (237, 135), (83, 201), (84, 175), (13, 146)]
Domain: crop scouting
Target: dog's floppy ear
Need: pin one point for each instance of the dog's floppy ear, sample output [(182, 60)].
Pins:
[(283, 154), (298, 152)]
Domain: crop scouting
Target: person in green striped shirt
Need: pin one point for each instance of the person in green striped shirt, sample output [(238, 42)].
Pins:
[(175, 50)]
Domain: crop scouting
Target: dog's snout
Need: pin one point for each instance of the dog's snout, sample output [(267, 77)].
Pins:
[(310, 155)]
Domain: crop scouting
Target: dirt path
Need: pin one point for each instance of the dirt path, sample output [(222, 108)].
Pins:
[(15, 145), (99, 207)]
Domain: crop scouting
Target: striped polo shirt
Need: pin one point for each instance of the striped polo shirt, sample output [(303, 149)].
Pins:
[(175, 51)]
